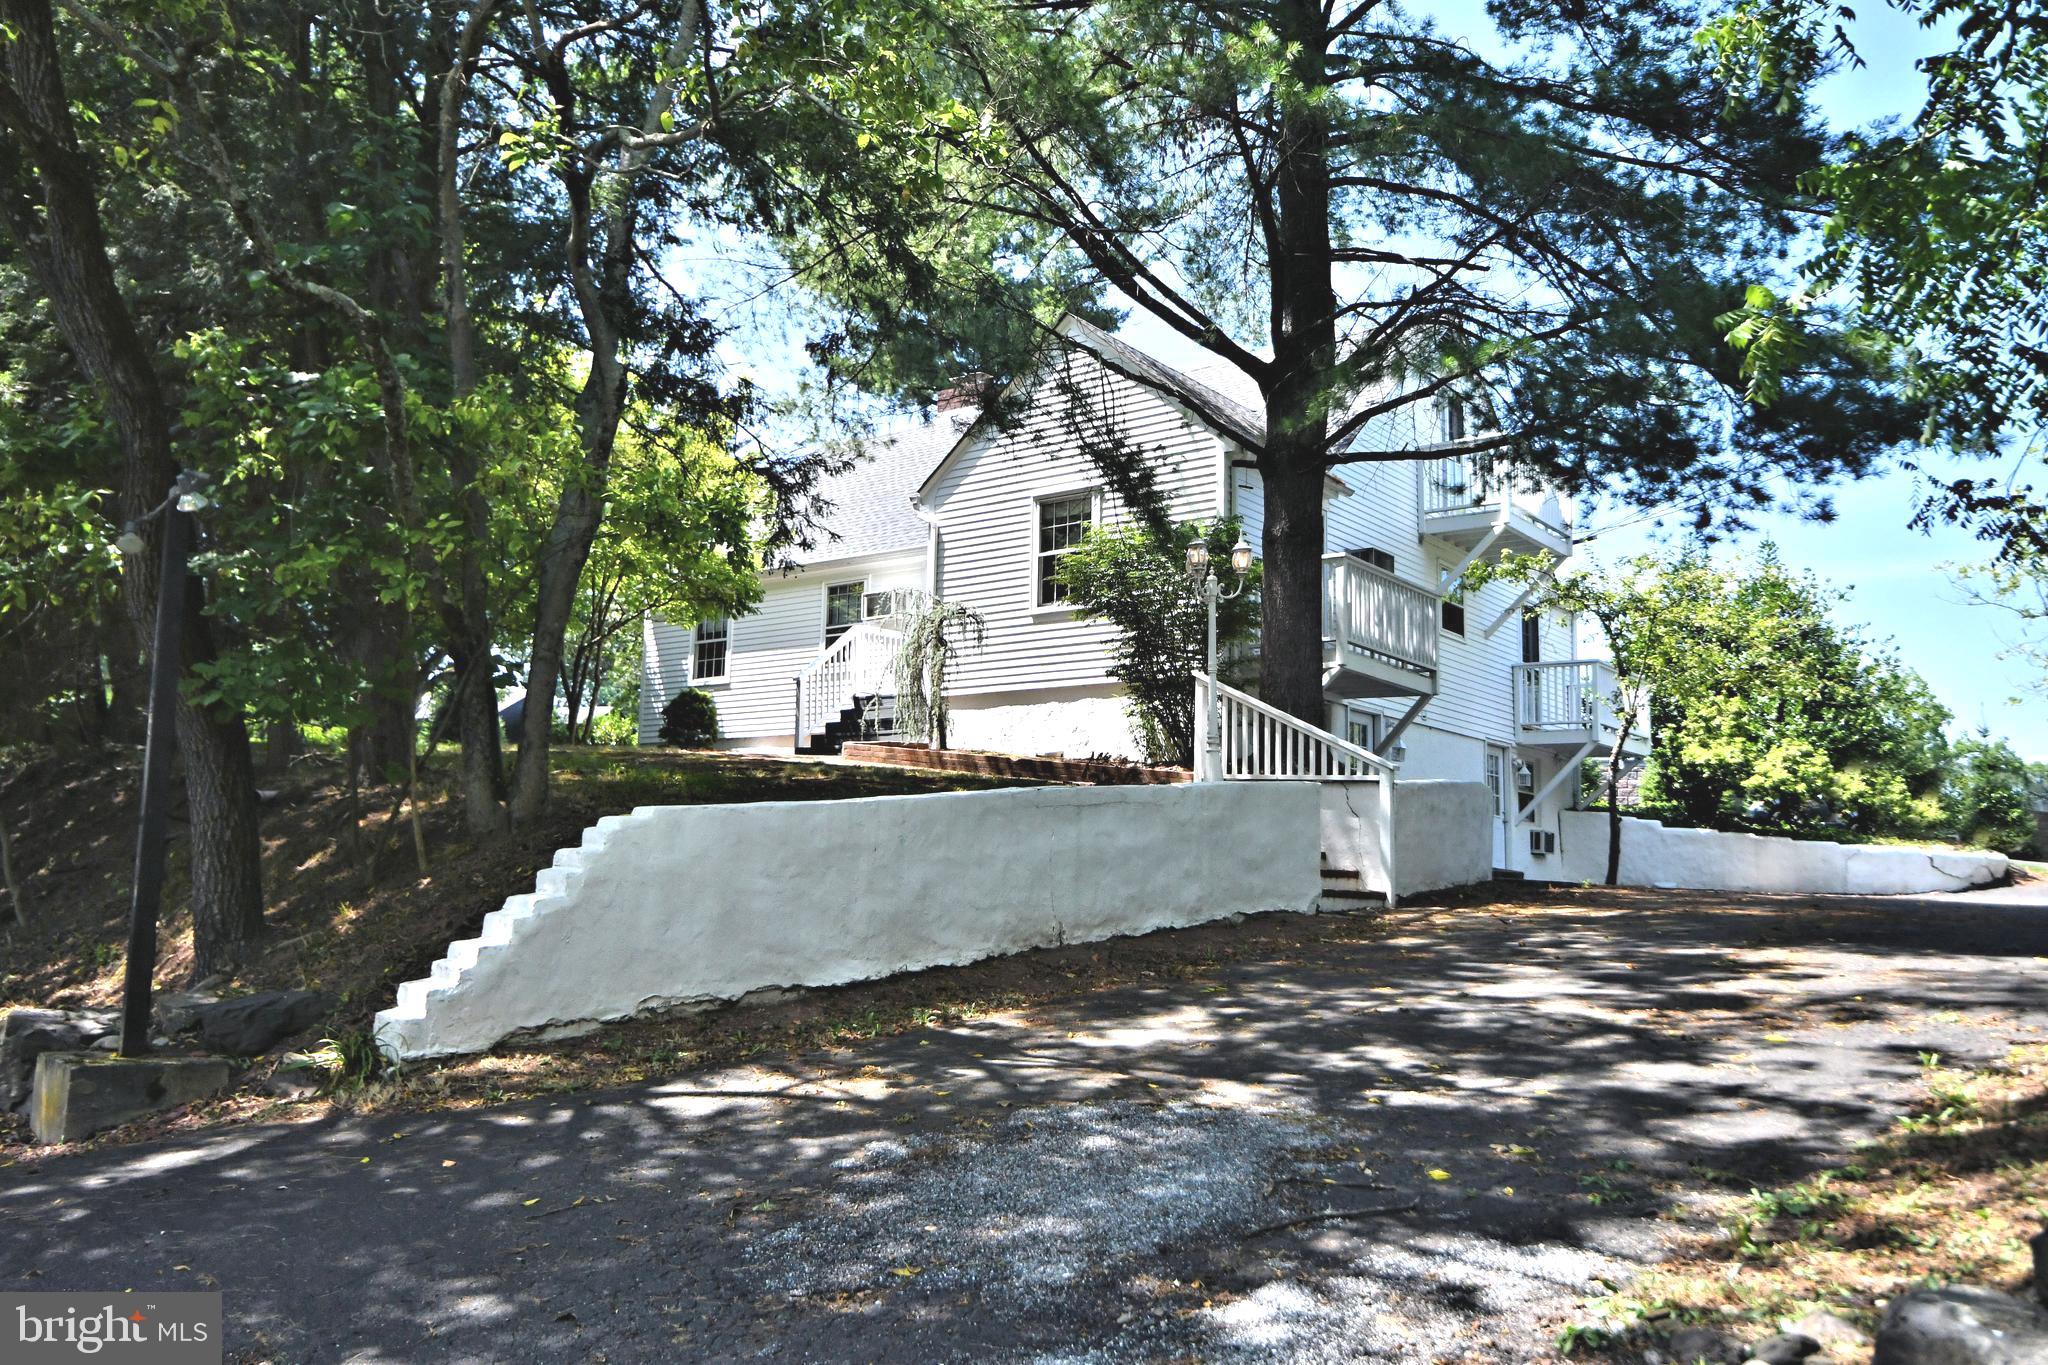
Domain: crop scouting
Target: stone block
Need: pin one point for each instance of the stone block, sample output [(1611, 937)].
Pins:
[(1962, 1325), (78, 1094)]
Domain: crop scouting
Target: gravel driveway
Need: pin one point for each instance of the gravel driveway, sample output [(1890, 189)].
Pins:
[(1502, 1110)]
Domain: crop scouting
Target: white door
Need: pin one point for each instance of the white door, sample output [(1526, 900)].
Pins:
[(1497, 783)]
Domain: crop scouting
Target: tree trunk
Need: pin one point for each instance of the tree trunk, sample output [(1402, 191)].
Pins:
[(1291, 593), (1304, 332), (1614, 801), (7, 881), (66, 250)]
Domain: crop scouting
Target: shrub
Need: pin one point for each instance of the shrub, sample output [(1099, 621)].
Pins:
[(615, 727), (691, 720)]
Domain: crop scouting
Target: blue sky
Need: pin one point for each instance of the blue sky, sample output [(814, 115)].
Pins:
[(1897, 585)]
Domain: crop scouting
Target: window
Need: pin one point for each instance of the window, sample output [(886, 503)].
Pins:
[(1532, 637), (708, 663), (842, 608), (1374, 556), (1062, 522), (1454, 611), (1359, 727), (1454, 420)]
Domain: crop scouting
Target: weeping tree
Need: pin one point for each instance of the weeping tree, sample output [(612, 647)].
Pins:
[(935, 637)]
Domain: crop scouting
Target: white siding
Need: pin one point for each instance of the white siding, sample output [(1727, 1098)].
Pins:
[(1474, 685), (765, 651), (986, 503)]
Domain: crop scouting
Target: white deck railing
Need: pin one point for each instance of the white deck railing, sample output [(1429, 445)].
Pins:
[(859, 663), (1257, 741), (1453, 484), (1572, 694), (1370, 611)]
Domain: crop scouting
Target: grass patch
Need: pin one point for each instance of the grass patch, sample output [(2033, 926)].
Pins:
[(1951, 1193)]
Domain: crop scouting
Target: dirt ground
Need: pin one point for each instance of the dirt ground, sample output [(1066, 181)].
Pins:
[(1452, 1133)]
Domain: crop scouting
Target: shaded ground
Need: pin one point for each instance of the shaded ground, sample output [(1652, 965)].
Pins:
[(1526, 1093), (349, 912)]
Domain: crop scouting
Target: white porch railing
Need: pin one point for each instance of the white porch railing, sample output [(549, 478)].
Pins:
[(1370, 611), (1571, 694), (1255, 741), (859, 663), (1453, 484)]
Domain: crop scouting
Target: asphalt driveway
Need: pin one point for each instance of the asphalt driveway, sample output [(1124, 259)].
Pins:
[(1494, 1107)]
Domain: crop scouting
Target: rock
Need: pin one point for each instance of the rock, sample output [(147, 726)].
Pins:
[(27, 1034), (290, 1085), (177, 1011), (1787, 1348), (1690, 1345), (248, 1024), (78, 1094), (1962, 1325), (1833, 1333)]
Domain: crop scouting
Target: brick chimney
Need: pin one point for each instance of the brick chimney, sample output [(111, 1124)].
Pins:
[(968, 391)]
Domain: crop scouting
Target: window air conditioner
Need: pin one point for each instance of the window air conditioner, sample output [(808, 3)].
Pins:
[(1542, 841)]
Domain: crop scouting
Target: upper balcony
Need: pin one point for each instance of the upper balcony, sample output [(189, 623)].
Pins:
[(1466, 501), (1380, 632), (1570, 704)]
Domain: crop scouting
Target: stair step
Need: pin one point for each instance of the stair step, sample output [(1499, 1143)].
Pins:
[(1508, 874)]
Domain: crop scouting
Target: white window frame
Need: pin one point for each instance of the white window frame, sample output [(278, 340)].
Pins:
[(697, 642), (1038, 502), (860, 595)]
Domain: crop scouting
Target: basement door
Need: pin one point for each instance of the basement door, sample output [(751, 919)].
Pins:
[(1497, 783)]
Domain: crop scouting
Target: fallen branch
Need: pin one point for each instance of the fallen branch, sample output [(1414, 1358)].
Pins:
[(1332, 1217)]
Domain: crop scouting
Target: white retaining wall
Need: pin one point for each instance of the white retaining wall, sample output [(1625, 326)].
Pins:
[(1709, 860), (678, 905), (1442, 834)]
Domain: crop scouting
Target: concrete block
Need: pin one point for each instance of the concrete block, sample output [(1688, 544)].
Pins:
[(78, 1094)]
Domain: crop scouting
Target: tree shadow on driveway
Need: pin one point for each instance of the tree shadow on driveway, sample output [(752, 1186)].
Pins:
[(1513, 1098)]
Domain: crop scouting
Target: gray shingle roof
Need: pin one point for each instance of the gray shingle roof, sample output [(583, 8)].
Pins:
[(865, 508)]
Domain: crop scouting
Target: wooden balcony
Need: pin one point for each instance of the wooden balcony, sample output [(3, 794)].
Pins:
[(1466, 503), (1380, 632), (1570, 704)]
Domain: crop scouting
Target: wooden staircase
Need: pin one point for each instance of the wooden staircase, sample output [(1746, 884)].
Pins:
[(869, 717)]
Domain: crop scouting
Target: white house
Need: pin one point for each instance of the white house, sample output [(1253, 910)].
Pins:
[(1463, 687)]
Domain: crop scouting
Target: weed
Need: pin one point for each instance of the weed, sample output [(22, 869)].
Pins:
[(349, 1062)]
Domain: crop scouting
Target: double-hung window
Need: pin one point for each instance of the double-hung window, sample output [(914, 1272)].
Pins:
[(1532, 637), (842, 608), (707, 664), (1062, 522)]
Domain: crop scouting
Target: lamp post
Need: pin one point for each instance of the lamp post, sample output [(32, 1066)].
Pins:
[(1204, 577), (186, 497)]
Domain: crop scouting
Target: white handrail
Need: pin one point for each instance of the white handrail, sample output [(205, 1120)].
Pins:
[(1571, 694), (1461, 483), (859, 662), (1261, 742)]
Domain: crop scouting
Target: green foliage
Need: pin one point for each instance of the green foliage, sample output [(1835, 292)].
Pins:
[(1992, 794), (1136, 579), (1937, 239), (690, 721), (1766, 713), (940, 631), (347, 1062), (616, 727)]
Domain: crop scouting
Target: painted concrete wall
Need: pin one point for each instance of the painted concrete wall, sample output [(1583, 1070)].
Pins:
[(679, 905), (1708, 860), (1077, 722), (1442, 835)]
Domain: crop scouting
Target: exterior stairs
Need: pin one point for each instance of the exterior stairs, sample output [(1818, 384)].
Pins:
[(1344, 891), (869, 717)]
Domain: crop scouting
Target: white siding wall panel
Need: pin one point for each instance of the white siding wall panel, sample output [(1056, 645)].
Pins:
[(765, 651), (986, 502)]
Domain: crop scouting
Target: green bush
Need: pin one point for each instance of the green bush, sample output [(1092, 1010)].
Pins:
[(691, 720), (614, 727)]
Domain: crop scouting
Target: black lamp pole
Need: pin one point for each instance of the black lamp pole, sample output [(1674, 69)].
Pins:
[(151, 845)]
